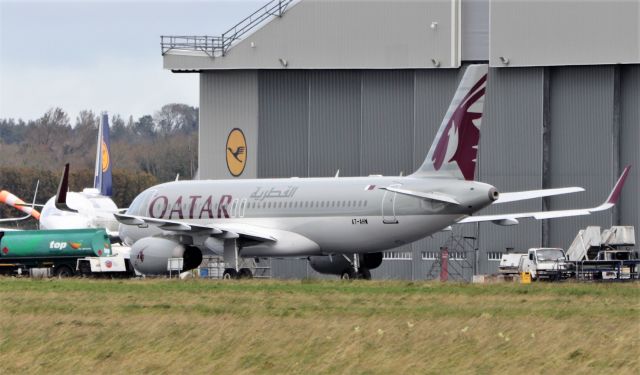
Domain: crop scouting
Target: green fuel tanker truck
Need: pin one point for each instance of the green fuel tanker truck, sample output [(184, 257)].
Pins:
[(56, 251)]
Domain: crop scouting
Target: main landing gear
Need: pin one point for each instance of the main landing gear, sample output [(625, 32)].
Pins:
[(355, 271), (232, 262), (242, 273)]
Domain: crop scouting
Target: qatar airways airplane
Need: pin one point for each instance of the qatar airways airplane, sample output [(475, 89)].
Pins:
[(341, 224)]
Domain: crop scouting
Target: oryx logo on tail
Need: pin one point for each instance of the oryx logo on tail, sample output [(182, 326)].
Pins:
[(455, 149)]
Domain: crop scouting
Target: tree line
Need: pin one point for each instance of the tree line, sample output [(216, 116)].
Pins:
[(152, 149)]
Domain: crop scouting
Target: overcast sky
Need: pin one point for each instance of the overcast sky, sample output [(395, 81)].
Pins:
[(100, 55)]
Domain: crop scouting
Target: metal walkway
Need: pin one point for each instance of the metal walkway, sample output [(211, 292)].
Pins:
[(216, 46)]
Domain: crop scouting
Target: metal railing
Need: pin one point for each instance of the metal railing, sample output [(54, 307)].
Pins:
[(215, 46)]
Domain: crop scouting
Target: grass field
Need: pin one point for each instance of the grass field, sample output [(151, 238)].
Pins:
[(324, 327)]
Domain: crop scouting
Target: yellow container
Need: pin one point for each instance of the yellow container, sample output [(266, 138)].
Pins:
[(525, 277)]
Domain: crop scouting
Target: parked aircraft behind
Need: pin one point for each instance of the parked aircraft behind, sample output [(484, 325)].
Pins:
[(92, 207), (343, 223)]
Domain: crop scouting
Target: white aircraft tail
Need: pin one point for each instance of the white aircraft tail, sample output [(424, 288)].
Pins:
[(454, 150)]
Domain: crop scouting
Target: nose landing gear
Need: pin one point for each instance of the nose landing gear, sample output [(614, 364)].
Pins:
[(355, 271)]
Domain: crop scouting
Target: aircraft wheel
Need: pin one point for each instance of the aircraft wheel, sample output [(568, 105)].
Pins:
[(229, 274), (245, 273), (64, 272), (351, 274), (365, 274)]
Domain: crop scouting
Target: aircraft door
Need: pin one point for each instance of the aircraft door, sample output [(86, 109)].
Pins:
[(388, 206), (243, 206)]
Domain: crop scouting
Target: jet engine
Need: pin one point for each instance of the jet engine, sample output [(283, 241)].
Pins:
[(150, 255), (338, 265)]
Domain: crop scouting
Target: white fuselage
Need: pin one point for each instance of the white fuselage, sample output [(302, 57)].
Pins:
[(94, 211), (338, 215)]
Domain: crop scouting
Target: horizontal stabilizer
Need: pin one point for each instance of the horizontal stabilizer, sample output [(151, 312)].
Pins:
[(531, 194), (511, 219)]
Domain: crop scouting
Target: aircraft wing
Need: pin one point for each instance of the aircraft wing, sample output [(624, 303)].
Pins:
[(436, 196), (503, 198), (5, 220), (531, 194), (512, 219), (221, 230)]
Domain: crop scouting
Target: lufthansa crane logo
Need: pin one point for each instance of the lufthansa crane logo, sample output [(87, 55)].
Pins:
[(236, 152), (105, 156)]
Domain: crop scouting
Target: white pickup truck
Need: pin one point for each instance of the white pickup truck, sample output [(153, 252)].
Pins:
[(545, 263)]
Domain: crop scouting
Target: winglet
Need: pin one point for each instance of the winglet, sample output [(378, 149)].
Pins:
[(509, 219), (63, 188), (615, 193), (617, 189)]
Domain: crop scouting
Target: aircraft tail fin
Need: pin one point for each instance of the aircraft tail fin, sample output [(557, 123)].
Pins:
[(454, 150), (102, 176)]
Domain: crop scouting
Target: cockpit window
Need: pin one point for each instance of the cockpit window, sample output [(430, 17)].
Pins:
[(140, 203)]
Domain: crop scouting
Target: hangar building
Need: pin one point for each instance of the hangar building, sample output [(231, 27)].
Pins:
[(361, 86)]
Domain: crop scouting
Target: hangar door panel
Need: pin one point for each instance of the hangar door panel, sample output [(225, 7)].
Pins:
[(334, 123), (387, 122), (581, 145), (228, 100), (283, 118), (511, 156), (629, 210)]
